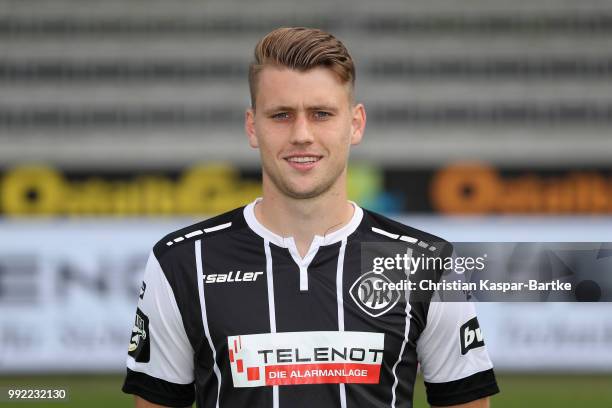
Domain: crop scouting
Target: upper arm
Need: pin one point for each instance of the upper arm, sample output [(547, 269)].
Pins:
[(160, 356), (453, 358)]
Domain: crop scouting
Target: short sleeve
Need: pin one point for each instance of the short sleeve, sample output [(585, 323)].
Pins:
[(160, 357), (454, 360)]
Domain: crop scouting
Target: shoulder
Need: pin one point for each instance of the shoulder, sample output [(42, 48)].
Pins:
[(218, 226), (378, 228)]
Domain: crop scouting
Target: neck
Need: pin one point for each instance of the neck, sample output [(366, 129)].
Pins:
[(302, 219)]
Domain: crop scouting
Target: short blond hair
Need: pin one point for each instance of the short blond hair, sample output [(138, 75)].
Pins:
[(301, 49)]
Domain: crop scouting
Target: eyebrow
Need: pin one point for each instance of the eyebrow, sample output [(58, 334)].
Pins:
[(282, 108), (323, 108), (275, 109)]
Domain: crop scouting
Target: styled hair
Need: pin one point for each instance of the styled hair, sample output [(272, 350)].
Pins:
[(301, 49)]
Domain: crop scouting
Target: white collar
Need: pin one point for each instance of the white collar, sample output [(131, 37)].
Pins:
[(288, 242)]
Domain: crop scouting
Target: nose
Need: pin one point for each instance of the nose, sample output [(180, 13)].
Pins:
[(301, 132)]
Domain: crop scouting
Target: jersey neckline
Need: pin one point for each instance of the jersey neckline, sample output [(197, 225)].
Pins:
[(289, 242)]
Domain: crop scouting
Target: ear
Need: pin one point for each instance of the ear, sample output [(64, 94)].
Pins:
[(358, 123), (249, 127)]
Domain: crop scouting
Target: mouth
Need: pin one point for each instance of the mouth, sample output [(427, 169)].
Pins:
[(303, 162)]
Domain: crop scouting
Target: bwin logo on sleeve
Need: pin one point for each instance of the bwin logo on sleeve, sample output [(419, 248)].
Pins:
[(140, 347), (372, 294), (470, 336)]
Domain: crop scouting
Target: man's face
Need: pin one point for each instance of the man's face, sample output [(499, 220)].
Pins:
[(304, 124)]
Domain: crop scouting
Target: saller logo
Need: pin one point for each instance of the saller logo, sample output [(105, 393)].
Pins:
[(470, 336), (292, 358), (232, 276), (140, 347), (372, 294)]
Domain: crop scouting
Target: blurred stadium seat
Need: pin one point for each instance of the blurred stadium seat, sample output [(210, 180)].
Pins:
[(442, 80)]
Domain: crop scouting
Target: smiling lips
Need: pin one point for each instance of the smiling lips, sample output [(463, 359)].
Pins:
[(303, 162)]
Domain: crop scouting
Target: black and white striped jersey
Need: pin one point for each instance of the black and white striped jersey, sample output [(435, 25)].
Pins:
[(230, 315)]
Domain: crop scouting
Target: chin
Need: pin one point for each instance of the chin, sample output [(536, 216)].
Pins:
[(306, 193), (302, 194)]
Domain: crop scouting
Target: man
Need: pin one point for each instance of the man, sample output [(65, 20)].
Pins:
[(266, 305)]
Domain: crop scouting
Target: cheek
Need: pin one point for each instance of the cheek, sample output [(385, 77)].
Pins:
[(267, 146), (343, 138)]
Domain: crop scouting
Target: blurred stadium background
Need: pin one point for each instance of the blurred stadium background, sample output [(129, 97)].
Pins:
[(122, 120)]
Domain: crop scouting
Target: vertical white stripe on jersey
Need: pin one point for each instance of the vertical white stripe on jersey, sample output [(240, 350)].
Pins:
[(339, 293), (340, 301), (406, 332), (200, 272), (270, 281), (271, 307)]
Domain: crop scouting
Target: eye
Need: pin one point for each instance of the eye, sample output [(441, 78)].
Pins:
[(322, 115), (281, 116)]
